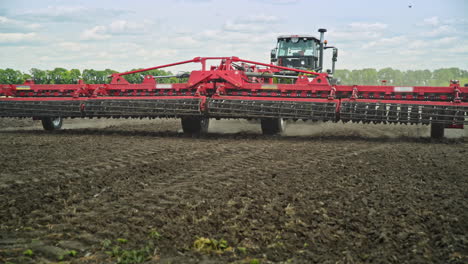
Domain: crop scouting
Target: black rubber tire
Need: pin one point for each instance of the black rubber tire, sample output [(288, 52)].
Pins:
[(437, 130), (52, 123), (195, 125), (272, 126)]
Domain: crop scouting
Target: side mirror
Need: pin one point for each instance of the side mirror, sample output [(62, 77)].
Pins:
[(273, 55), (335, 54)]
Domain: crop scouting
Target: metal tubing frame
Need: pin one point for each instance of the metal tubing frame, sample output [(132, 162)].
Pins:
[(225, 81)]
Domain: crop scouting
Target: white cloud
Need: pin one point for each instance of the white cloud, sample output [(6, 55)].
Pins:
[(418, 44), (460, 49), (33, 26), (56, 13), (185, 41), (386, 42), (17, 37), (373, 40), (4, 20), (359, 32), (60, 14), (261, 18), (433, 21), (123, 46), (436, 27), (367, 26), (256, 23), (439, 31), (127, 27), (446, 41), (60, 10), (243, 27), (360, 36), (412, 52), (210, 33), (95, 33), (236, 38), (13, 25), (117, 27), (156, 54), (73, 46)]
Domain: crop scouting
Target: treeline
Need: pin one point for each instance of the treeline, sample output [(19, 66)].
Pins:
[(439, 77), (64, 76)]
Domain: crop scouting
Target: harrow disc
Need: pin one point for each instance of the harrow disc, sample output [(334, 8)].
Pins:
[(312, 110), (142, 108), (403, 113), (114, 108), (26, 108)]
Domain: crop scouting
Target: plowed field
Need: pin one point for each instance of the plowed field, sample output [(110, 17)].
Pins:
[(104, 191)]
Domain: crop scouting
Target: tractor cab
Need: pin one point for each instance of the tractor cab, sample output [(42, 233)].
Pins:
[(303, 52), (297, 51)]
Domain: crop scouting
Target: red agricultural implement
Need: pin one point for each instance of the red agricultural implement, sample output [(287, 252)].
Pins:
[(237, 88)]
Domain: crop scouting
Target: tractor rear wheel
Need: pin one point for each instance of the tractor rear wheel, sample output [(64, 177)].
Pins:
[(272, 126), (52, 123), (437, 130), (195, 125)]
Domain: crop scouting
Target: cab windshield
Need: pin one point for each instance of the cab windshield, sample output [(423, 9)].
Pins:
[(300, 48)]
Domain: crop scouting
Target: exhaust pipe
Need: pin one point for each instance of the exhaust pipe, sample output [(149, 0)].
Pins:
[(322, 33)]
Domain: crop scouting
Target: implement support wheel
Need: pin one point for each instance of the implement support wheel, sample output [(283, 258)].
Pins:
[(437, 130), (52, 123), (272, 126), (195, 125)]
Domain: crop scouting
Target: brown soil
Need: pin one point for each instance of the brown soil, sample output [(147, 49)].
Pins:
[(325, 193)]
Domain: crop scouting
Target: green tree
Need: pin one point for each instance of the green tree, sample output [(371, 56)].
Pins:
[(343, 76), (441, 77), (75, 75), (89, 76), (59, 76), (39, 76), (368, 76), (10, 76)]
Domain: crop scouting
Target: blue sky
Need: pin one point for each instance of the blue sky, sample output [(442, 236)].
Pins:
[(130, 34)]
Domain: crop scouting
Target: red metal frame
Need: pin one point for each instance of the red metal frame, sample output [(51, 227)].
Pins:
[(229, 82)]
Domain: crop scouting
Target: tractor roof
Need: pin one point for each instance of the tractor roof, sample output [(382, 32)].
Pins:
[(297, 36)]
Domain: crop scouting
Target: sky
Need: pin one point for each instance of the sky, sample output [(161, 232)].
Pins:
[(121, 35)]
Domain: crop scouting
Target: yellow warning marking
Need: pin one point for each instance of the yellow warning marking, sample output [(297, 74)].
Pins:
[(23, 87), (270, 86)]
